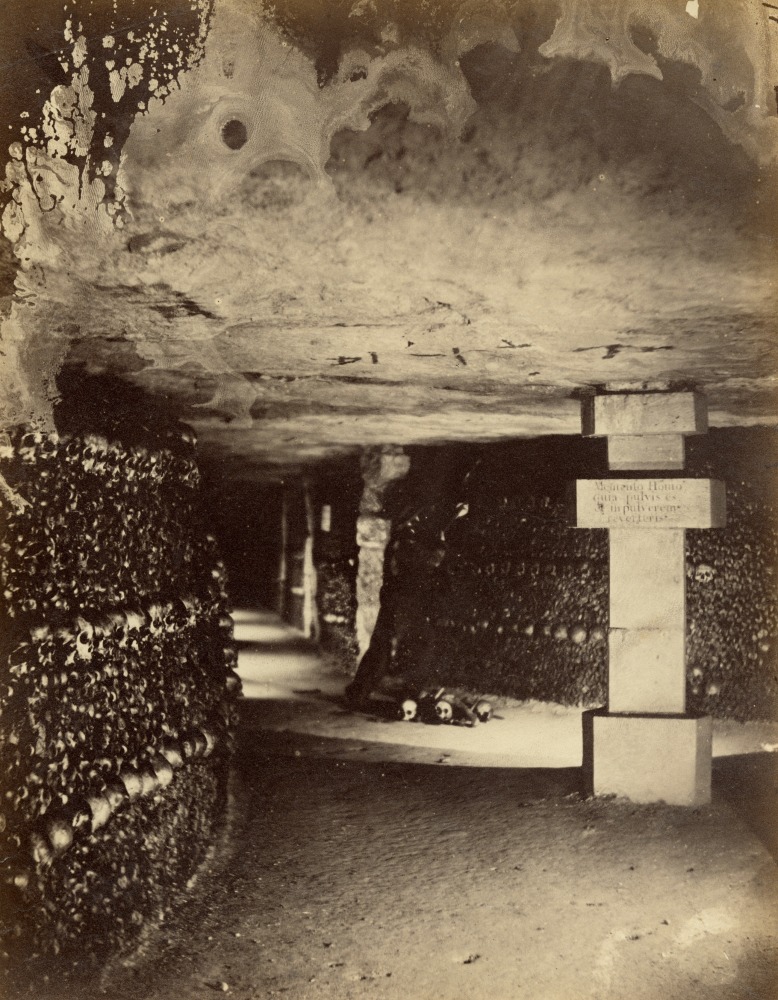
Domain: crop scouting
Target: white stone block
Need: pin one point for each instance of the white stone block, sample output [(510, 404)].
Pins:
[(645, 413), (648, 758), (647, 579), (646, 670), (646, 451)]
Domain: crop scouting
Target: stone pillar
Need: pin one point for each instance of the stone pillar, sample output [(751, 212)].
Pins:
[(282, 569), (310, 579), (380, 467), (644, 746)]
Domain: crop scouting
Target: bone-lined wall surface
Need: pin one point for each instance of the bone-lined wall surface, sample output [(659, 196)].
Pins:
[(518, 606), (118, 687)]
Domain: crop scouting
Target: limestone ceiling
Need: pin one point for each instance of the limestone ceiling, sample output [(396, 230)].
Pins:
[(340, 224)]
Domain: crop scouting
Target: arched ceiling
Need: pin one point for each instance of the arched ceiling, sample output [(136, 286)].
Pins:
[(321, 225)]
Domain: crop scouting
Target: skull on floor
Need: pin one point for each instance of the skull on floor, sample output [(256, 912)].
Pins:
[(409, 709), (444, 710), (483, 710)]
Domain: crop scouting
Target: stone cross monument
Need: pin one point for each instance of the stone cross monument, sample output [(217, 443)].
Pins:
[(645, 746)]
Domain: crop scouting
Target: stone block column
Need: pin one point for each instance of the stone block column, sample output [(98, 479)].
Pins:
[(380, 467), (643, 745)]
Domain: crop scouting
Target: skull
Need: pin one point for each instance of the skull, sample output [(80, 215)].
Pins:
[(38, 446), (73, 449), (171, 751), (444, 710), (156, 619), (149, 781), (162, 769), (704, 573), (118, 629), (132, 782), (101, 810), (20, 659), (188, 435), (134, 457), (96, 444), (30, 446), (136, 619), (60, 834), (483, 710), (116, 793), (191, 605), (84, 639), (409, 709), (40, 850), (150, 463), (190, 474), (210, 742)]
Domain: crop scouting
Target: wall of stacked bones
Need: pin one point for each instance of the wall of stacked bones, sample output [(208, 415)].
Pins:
[(519, 605), (336, 558), (118, 685)]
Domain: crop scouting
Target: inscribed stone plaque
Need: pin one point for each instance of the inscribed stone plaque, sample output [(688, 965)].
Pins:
[(650, 503)]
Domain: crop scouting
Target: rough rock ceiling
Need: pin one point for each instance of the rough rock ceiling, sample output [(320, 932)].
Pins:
[(333, 224)]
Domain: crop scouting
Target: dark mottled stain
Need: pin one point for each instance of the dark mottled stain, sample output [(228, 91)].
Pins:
[(363, 380), (611, 350), (173, 304)]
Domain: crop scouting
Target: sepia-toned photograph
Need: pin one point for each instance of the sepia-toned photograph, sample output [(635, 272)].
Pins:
[(388, 494)]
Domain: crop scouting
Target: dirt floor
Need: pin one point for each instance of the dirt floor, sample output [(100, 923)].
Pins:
[(430, 863)]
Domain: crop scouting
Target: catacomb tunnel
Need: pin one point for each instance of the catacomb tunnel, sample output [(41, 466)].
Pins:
[(387, 499)]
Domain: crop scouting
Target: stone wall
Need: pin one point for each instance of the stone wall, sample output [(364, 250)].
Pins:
[(118, 686), (518, 606), (731, 592), (336, 557)]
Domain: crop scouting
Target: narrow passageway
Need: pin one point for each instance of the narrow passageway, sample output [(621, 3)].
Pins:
[(358, 864), (289, 687)]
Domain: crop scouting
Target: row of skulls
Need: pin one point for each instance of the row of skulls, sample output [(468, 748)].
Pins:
[(55, 832), (108, 686), (92, 788), (144, 829), (86, 551), (577, 634), (121, 663), (115, 463)]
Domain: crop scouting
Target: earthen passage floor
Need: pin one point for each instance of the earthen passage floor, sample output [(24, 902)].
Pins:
[(360, 863)]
